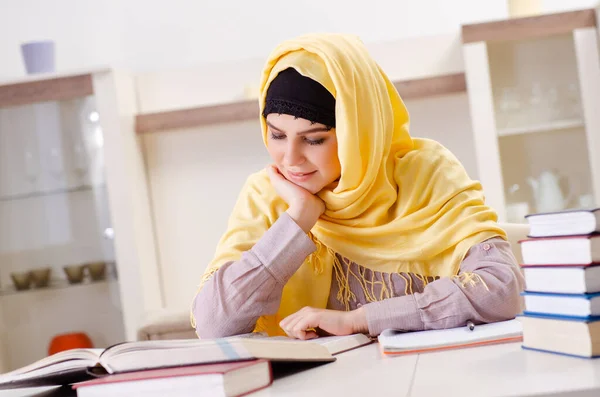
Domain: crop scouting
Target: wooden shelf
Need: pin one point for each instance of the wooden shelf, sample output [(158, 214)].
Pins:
[(50, 89), (248, 110), (551, 126), (529, 27), (81, 188)]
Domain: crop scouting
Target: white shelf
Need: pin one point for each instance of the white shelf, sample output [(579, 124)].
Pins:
[(551, 126)]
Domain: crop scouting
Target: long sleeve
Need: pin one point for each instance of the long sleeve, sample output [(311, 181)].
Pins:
[(235, 296), (487, 289)]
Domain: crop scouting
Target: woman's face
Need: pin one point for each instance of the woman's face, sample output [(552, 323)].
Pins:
[(305, 153)]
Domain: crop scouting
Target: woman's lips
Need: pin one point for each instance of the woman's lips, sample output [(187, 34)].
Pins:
[(300, 176)]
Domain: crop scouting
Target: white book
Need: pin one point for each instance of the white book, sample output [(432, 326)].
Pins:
[(564, 223), (568, 250), (562, 279)]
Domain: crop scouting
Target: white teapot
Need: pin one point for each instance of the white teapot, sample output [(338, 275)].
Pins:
[(547, 192)]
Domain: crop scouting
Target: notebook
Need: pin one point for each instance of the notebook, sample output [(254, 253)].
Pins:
[(394, 342)]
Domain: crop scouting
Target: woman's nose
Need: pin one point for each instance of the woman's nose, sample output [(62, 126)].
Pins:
[(293, 155)]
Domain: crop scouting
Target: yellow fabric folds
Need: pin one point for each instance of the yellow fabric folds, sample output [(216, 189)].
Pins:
[(402, 204)]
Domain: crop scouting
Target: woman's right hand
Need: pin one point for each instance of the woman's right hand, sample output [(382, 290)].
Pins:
[(305, 208)]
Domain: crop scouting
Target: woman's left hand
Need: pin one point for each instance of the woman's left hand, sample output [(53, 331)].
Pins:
[(333, 322)]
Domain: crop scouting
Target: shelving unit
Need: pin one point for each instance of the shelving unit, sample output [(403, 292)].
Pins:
[(516, 72), (545, 127), (55, 211)]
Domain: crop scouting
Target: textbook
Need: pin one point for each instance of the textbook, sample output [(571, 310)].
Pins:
[(564, 223), (232, 379), (77, 365)]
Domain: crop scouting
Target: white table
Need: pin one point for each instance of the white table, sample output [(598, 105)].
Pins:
[(500, 371), (495, 371)]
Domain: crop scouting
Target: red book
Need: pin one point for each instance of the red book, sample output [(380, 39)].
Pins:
[(225, 379)]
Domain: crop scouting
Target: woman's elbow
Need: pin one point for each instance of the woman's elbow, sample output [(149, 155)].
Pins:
[(212, 319), (509, 298)]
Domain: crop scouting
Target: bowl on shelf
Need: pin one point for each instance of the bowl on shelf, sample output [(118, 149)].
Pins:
[(97, 270), (21, 280), (74, 273), (41, 277)]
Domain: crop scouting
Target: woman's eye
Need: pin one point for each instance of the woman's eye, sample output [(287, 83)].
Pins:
[(277, 136), (315, 141)]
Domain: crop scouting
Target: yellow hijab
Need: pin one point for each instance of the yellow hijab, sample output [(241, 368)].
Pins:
[(402, 204)]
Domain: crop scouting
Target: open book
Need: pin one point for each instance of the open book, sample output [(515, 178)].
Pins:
[(396, 342), (81, 364)]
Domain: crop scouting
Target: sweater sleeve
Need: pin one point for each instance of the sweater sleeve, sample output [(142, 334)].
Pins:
[(487, 289), (237, 294)]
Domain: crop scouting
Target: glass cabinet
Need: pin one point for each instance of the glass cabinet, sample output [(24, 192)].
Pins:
[(534, 91), (70, 244)]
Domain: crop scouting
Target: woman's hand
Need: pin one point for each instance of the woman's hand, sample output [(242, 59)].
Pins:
[(305, 208), (300, 325)]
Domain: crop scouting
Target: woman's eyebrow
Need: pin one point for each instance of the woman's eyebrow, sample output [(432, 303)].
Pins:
[(308, 131)]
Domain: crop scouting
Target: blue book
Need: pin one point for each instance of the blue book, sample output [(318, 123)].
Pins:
[(575, 305)]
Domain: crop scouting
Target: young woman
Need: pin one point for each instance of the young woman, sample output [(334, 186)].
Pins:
[(356, 226)]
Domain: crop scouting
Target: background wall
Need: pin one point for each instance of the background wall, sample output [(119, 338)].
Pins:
[(154, 34)]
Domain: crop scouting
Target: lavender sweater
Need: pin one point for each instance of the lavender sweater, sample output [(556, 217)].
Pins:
[(487, 288)]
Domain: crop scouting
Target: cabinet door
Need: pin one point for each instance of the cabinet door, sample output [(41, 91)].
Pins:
[(19, 158)]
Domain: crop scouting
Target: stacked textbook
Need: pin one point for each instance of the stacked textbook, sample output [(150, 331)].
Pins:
[(561, 265)]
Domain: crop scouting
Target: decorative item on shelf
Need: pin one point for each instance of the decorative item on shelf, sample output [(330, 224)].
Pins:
[(573, 106), (81, 166), (68, 341), (31, 169), (56, 163), (74, 273), (41, 277), (21, 280), (587, 201), (509, 107), (517, 207), (547, 192), (97, 270), (38, 56), (536, 104)]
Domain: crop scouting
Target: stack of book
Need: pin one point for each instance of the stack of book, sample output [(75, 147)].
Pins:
[(561, 265), (232, 366)]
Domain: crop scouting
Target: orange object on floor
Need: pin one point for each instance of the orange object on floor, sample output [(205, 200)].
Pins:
[(73, 340)]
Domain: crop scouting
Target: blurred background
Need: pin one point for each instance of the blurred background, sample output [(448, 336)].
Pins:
[(128, 127)]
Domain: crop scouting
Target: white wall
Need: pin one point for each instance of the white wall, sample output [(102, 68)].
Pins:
[(154, 34)]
